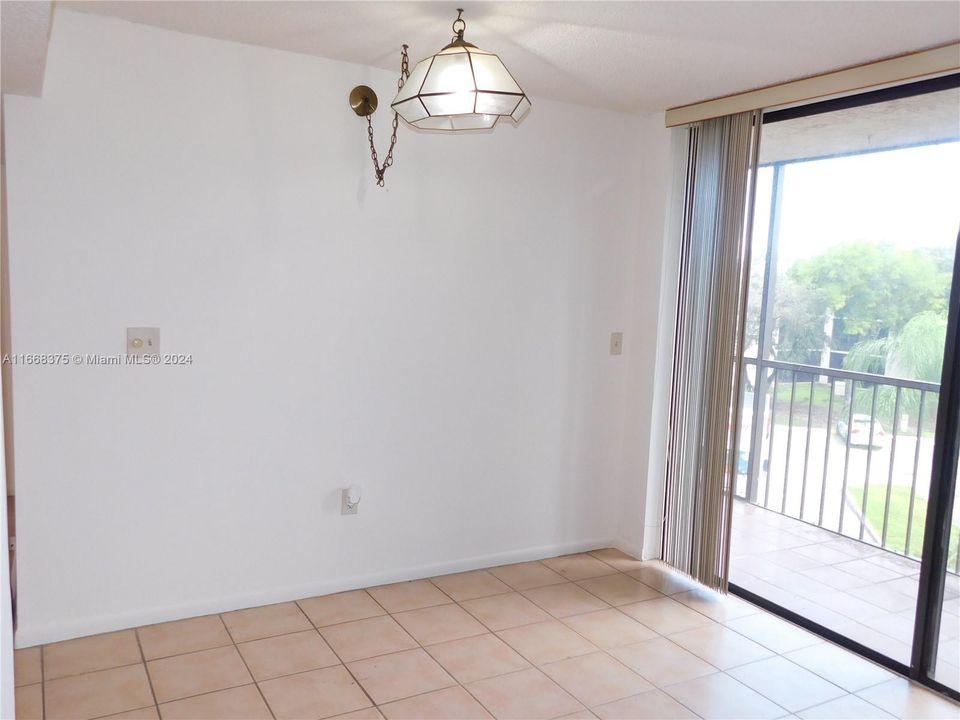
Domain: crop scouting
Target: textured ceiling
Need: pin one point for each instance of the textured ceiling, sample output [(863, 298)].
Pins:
[(24, 29), (934, 117), (622, 55)]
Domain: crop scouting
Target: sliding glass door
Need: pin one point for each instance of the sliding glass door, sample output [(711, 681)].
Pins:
[(841, 472), (944, 666), (936, 653)]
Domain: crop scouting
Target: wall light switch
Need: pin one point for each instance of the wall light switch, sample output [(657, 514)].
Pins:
[(143, 341), (616, 343)]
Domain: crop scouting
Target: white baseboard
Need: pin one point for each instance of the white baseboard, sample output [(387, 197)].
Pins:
[(29, 635)]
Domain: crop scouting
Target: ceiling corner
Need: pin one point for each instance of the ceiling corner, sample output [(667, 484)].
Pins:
[(24, 36)]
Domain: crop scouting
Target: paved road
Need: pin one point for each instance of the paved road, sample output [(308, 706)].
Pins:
[(786, 470)]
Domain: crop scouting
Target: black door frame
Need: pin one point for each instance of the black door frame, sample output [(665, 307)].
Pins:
[(943, 486), (946, 450)]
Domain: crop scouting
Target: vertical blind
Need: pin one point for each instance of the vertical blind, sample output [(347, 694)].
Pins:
[(711, 301)]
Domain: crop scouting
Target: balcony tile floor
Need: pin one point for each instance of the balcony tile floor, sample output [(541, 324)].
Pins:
[(854, 588), (597, 634)]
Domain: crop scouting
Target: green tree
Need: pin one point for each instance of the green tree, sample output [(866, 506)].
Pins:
[(799, 315), (874, 290), (798, 318), (915, 353)]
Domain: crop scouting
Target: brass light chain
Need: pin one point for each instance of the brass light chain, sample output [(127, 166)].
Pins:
[(379, 170)]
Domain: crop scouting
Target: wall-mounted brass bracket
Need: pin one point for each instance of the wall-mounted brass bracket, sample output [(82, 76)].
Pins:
[(363, 100)]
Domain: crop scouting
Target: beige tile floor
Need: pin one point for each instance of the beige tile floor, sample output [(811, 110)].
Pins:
[(590, 635), (855, 588)]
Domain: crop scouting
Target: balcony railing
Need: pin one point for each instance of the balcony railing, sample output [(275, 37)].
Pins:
[(847, 451)]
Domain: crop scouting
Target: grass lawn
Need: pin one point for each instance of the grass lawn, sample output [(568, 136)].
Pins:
[(821, 394), (897, 522), (801, 402), (862, 404)]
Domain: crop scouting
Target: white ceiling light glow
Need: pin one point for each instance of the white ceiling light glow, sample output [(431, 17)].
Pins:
[(461, 87)]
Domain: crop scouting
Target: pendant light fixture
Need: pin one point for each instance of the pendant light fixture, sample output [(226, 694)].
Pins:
[(461, 87)]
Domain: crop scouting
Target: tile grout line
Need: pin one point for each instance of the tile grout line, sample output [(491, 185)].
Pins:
[(533, 665), (145, 707), (191, 652), (456, 683), (820, 641), (146, 671), (244, 661), (43, 684), (567, 580), (480, 703), (337, 655), (605, 651), (489, 630), (842, 697), (99, 670), (664, 637), (423, 647), (186, 697), (775, 654)]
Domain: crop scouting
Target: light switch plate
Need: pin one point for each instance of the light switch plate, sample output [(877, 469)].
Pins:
[(143, 341), (616, 343)]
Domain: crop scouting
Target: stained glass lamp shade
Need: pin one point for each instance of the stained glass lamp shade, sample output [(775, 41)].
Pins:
[(460, 88)]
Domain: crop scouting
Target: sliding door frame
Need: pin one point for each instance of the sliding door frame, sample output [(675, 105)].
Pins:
[(943, 487), (946, 451)]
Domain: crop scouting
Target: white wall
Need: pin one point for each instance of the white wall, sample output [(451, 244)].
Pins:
[(6, 621), (650, 326), (7, 709), (664, 331), (443, 341)]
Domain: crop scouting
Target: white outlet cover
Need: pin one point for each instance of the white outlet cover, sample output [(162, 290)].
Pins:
[(346, 508), (143, 341)]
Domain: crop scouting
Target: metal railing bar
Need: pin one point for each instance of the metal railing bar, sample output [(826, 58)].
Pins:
[(786, 464), (832, 376), (850, 375), (826, 452), (760, 385), (846, 459), (806, 450), (738, 418), (913, 483), (773, 424), (893, 453), (866, 475)]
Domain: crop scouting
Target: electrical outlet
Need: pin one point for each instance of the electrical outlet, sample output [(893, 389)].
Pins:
[(347, 507), (616, 343)]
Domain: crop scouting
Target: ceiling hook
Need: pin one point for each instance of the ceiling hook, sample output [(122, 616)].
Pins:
[(462, 24)]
